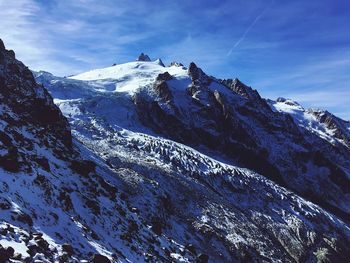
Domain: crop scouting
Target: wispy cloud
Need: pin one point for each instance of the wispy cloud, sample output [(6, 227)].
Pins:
[(21, 31), (257, 18), (323, 82), (66, 37)]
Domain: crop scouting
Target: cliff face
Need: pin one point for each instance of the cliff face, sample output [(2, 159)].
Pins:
[(56, 203), (27, 106)]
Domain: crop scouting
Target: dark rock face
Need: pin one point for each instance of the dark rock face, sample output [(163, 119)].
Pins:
[(68, 249), (237, 86), (243, 127), (22, 96), (2, 46), (160, 62), (202, 258), (197, 74), (97, 258), (6, 254), (334, 123), (177, 64), (143, 57), (164, 77), (37, 153)]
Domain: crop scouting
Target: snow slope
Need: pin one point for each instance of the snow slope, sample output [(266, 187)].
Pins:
[(308, 119), (128, 77)]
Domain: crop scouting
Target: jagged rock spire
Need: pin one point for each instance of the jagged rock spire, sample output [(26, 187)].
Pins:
[(2, 46), (194, 71), (177, 64), (143, 57), (3, 50), (160, 62)]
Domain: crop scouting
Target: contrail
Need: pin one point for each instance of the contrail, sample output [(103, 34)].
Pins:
[(248, 29)]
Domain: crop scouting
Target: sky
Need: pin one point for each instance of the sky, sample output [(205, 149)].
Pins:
[(294, 49)]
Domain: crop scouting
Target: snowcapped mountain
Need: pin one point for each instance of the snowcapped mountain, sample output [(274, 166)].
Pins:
[(225, 119), (322, 123), (153, 168)]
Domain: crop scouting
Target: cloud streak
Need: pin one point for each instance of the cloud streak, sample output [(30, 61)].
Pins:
[(257, 18)]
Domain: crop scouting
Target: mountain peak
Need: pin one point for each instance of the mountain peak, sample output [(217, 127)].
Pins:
[(176, 64), (195, 72), (143, 57), (288, 102), (3, 50), (160, 62), (2, 46)]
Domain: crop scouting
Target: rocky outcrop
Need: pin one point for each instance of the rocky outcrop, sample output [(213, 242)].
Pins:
[(339, 127), (160, 62), (246, 92), (143, 57), (176, 64), (237, 86), (27, 105), (197, 75)]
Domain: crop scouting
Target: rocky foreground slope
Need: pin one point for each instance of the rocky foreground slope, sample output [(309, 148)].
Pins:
[(120, 187)]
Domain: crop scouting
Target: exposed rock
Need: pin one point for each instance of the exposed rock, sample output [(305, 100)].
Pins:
[(288, 101), (338, 126), (176, 64), (163, 91), (43, 162), (68, 248), (237, 86), (191, 248), (4, 203), (143, 57), (22, 217), (22, 96), (202, 258), (6, 253), (97, 258), (2, 46), (160, 62), (83, 167), (157, 226), (195, 72), (164, 76), (33, 249), (17, 256)]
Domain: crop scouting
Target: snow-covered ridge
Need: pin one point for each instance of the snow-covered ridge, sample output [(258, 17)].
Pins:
[(310, 119), (131, 76)]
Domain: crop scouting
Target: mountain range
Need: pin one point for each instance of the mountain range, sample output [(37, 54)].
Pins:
[(142, 162)]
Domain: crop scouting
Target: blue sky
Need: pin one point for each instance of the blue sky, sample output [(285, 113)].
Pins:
[(295, 49)]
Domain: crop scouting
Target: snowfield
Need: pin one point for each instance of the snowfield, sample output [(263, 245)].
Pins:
[(307, 119), (128, 77)]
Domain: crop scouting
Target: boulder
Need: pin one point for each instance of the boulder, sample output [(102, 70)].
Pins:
[(97, 258)]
